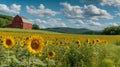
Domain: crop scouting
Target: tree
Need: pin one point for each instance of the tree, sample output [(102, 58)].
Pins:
[(114, 30), (35, 26)]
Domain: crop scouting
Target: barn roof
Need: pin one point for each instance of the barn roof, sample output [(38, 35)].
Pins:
[(24, 19)]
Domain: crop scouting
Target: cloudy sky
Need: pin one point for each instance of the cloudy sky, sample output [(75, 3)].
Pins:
[(92, 14)]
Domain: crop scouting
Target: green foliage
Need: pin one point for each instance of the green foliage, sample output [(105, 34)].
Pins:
[(35, 26), (117, 43), (114, 30), (18, 57), (4, 20), (108, 63)]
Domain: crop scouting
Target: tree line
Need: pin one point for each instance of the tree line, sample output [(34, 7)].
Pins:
[(113, 30), (4, 20)]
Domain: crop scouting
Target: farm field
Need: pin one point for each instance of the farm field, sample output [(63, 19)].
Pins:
[(38, 48)]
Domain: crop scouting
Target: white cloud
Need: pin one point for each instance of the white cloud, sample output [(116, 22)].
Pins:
[(110, 2), (63, 25), (40, 21), (111, 24), (14, 9), (78, 23), (118, 14), (104, 25), (93, 23), (93, 12), (40, 11), (101, 26), (72, 11), (51, 22), (89, 12), (89, 24), (115, 3)]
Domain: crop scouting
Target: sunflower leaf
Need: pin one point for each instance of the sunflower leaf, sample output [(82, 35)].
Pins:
[(39, 62)]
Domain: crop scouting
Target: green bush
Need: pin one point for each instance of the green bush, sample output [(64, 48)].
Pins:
[(114, 30), (35, 26)]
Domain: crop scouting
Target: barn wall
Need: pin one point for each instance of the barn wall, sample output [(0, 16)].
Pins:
[(17, 20), (27, 26)]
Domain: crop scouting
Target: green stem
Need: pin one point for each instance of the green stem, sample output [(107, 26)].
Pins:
[(28, 60), (0, 58), (33, 60), (8, 57)]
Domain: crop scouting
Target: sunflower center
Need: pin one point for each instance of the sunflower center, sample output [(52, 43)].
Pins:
[(34, 45), (50, 54), (8, 42)]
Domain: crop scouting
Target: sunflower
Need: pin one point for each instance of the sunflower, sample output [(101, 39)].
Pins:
[(22, 43), (104, 42), (1, 42), (8, 42), (94, 42), (27, 38), (47, 49), (40, 54), (35, 44), (78, 42), (51, 54), (16, 43), (46, 58), (88, 41), (98, 40), (46, 43), (61, 43)]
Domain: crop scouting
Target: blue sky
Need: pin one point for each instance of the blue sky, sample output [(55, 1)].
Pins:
[(95, 15)]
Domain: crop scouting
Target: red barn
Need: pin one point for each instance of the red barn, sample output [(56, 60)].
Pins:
[(20, 22)]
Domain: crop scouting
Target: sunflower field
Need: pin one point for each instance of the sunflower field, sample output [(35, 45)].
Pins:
[(48, 49)]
